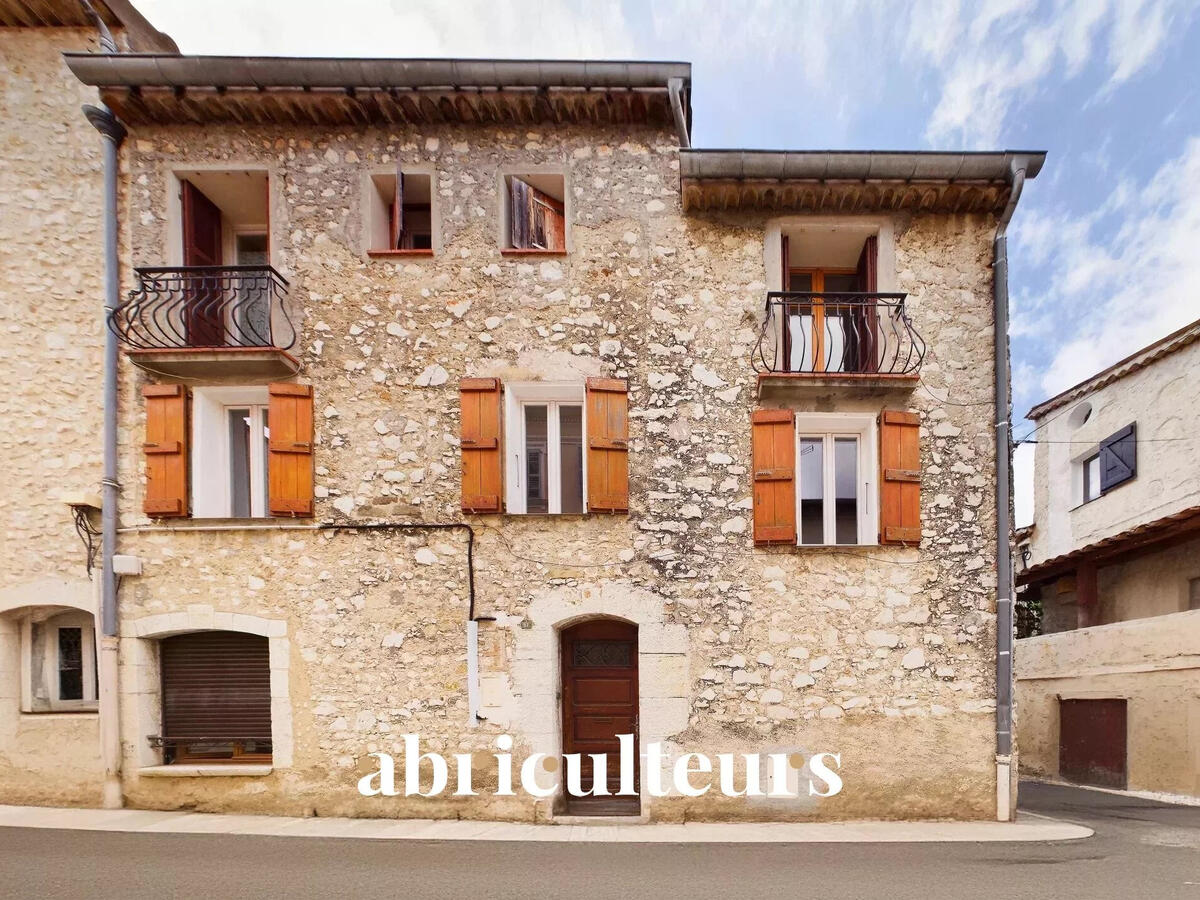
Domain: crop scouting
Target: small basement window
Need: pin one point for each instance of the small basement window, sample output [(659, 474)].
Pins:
[(60, 652), (400, 214), (216, 697), (535, 213)]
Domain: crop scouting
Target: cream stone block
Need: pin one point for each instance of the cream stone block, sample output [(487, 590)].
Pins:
[(279, 652), (250, 624), (662, 717), (279, 683), (200, 617), (663, 639), (223, 621), (662, 675)]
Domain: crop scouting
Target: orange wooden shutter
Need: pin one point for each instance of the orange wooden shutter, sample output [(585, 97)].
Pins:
[(899, 477), (608, 445), (290, 456), (166, 450), (482, 482), (773, 447)]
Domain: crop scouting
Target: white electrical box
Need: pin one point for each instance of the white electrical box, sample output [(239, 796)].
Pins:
[(127, 565)]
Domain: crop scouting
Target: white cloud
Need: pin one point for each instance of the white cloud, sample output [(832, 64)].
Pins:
[(1005, 51), (536, 29), (1119, 286)]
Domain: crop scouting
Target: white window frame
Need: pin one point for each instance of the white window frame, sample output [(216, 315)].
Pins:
[(516, 397), (211, 497), (1078, 477), (47, 678), (828, 426)]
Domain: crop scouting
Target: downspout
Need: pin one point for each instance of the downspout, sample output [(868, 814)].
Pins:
[(675, 89), (108, 677), (1004, 581)]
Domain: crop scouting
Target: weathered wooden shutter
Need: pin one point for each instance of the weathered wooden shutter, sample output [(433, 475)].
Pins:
[(397, 223), (166, 450), (773, 455), (1118, 457), (608, 445), (216, 686), (899, 477), (785, 263), (547, 218), (290, 456), (863, 354), (479, 437), (518, 214)]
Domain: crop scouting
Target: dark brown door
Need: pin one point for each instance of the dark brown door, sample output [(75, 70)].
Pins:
[(1091, 742), (202, 247), (600, 701)]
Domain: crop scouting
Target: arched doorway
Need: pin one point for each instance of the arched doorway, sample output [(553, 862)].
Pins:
[(600, 702)]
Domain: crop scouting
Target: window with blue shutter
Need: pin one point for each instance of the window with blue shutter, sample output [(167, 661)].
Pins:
[(1118, 458)]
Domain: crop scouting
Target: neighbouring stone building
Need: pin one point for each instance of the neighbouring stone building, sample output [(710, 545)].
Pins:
[(1109, 680), (458, 399), (50, 358)]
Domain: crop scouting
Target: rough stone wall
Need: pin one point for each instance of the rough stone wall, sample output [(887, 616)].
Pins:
[(882, 654), (51, 340)]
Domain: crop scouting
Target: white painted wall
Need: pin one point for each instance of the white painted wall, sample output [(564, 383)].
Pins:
[(1164, 400)]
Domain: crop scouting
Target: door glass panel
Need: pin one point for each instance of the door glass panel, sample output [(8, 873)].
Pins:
[(845, 479), (588, 654), (570, 431), (536, 450), (70, 664), (812, 491), (239, 463)]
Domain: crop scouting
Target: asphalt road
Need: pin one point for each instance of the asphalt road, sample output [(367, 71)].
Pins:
[(1141, 851)]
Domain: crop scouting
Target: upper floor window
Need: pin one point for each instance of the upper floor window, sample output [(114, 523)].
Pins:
[(400, 213), (231, 430), (836, 478), (535, 213), (545, 437), (1091, 478), (835, 458)]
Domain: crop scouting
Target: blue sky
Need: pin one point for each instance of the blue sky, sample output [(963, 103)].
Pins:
[(1103, 249)]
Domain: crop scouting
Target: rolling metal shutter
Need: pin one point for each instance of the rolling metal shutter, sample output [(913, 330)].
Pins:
[(216, 686)]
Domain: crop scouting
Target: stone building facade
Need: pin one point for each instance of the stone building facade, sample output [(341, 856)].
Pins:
[(50, 356), (883, 653)]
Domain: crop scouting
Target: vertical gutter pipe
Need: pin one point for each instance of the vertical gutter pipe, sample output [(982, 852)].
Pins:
[(1004, 582), (113, 133)]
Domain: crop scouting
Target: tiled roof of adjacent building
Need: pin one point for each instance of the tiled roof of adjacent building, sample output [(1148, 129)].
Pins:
[(1135, 362)]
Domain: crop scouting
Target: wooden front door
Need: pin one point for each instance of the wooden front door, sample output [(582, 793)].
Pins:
[(599, 702), (204, 309), (1092, 742)]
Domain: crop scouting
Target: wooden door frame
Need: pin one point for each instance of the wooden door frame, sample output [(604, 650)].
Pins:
[(817, 309), (620, 629)]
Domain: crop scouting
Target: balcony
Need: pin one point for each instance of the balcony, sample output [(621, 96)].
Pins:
[(196, 321), (825, 340)]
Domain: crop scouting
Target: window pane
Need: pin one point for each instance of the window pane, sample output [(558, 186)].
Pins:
[(1091, 479), (239, 463), (264, 489), (570, 439), (845, 479), (812, 491), (70, 664), (536, 448)]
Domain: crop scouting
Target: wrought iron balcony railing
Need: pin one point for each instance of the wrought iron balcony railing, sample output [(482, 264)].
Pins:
[(201, 307), (838, 334)]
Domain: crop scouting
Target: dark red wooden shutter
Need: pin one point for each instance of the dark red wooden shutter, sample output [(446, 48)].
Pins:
[(202, 243), (216, 685)]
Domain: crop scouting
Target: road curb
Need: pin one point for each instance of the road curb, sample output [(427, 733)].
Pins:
[(1027, 828)]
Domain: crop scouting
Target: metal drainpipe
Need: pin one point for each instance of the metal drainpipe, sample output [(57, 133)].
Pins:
[(675, 89), (1004, 589), (113, 133)]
